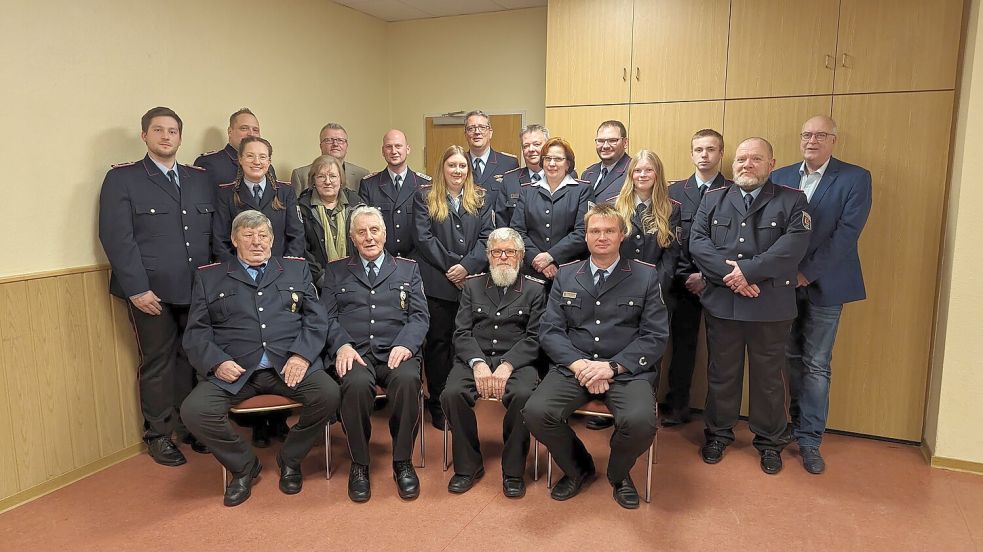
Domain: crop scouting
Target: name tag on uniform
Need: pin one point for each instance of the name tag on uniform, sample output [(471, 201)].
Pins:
[(514, 196), (569, 294)]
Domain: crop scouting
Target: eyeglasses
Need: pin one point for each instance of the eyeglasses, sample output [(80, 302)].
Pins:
[(509, 253), (475, 128), (819, 136), (334, 141), (607, 141), (551, 159), (253, 157)]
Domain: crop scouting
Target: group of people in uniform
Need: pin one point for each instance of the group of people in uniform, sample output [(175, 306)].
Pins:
[(487, 281)]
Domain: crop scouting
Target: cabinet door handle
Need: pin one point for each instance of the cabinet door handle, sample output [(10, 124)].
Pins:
[(638, 73), (843, 60), (830, 62), (624, 74)]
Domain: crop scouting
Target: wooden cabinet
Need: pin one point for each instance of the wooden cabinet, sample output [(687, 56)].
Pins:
[(778, 120), (666, 128), (679, 50), (578, 125), (588, 52), (894, 45)]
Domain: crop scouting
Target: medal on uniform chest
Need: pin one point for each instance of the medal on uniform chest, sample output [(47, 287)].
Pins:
[(295, 298), (402, 299)]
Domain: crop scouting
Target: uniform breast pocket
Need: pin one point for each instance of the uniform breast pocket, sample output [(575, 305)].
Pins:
[(347, 300), (385, 206), (400, 292), (518, 311), (291, 295), (151, 218), (719, 228), (768, 230), (220, 304), (630, 305)]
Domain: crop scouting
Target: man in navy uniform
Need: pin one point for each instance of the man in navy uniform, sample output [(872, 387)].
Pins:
[(608, 175), (391, 191), (839, 196), (706, 151), (256, 327), (222, 165), (378, 319), (747, 241), (531, 138), (604, 329), (487, 165), (334, 142), (155, 219), (496, 344)]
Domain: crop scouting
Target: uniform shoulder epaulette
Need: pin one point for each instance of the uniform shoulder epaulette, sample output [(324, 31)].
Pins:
[(671, 182), (791, 188), (209, 153), (197, 168), (398, 258), (610, 200), (671, 200), (527, 184), (292, 258), (507, 154), (480, 188), (281, 184), (571, 262), (716, 189), (478, 275), (203, 267), (582, 181), (126, 164), (425, 186), (339, 260), (510, 171), (537, 280), (370, 175), (423, 176), (227, 185), (644, 263)]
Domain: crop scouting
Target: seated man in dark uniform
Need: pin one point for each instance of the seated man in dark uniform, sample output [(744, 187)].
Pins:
[(377, 317), (497, 345), (256, 327), (604, 329)]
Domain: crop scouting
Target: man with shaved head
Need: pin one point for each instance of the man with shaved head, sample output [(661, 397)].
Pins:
[(839, 196), (391, 190), (747, 241)]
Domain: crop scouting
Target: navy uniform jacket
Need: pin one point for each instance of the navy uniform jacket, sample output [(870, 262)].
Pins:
[(626, 322), (767, 242), (508, 195), (610, 187), (375, 317), (645, 247), (460, 239), (222, 165), (687, 193), (839, 208), (397, 209), (233, 317), (288, 228), (314, 247), (497, 329), (554, 224), (154, 237), (498, 164)]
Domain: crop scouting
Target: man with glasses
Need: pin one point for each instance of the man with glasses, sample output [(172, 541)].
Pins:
[(531, 139), (334, 142), (607, 176), (487, 165), (496, 343), (839, 196)]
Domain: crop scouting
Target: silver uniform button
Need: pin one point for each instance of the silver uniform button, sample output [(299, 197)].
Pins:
[(262, 326), (185, 227), (496, 327), (398, 211), (264, 344), (152, 211), (520, 311), (371, 321), (261, 293), (568, 301), (597, 321), (291, 288), (547, 239), (187, 244), (221, 295), (740, 255), (397, 240), (498, 314), (183, 212), (638, 251), (787, 282), (261, 309), (595, 355), (715, 221), (373, 306), (742, 224), (774, 224), (547, 211), (740, 240), (598, 303), (371, 336), (372, 292), (494, 341), (597, 339), (397, 226), (547, 225), (631, 303), (189, 259), (638, 237)]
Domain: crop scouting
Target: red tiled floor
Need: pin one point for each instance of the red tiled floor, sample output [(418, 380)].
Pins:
[(874, 496)]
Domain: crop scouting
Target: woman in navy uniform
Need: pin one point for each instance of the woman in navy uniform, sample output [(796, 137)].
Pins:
[(326, 205), (550, 213), (451, 222), (653, 218)]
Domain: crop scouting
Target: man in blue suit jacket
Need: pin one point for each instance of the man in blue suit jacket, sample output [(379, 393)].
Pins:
[(829, 275)]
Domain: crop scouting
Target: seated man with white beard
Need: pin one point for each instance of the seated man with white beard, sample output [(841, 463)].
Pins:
[(496, 344)]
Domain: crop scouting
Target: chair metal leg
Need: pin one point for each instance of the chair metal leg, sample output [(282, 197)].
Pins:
[(327, 450), (225, 478), (549, 469), (446, 463), (648, 473), (423, 442), (535, 460)]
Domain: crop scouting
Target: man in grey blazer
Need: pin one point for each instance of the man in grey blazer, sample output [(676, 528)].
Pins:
[(334, 142)]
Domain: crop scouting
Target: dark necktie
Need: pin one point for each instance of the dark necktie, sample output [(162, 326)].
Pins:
[(600, 279), (372, 275), (748, 200), (172, 176), (703, 189), (259, 273), (477, 170), (640, 209), (455, 203), (396, 182), (257, 193), (535, 178), (604, 172)]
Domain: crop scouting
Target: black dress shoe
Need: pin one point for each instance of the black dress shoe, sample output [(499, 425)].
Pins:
[(568, 487), (713, 451), (437, 418), (196, 445), (261, 434), (407, 483), (513, 487), (463, 483), (625, 493), (771, 462), (358, 483), (241, 487), (291, 479), (679, 416), (812, 461), (599, 422), (163, 451)]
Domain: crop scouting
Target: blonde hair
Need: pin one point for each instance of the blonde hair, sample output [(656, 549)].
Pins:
[(655, 218), (473, 197)]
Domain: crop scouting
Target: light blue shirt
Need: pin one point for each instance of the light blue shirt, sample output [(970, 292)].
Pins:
[(402, 175), (541, 173), (264, 363), (607, 271), (249, 185), (701, 183), (163, 170), (809, 182), (754, 194), (378, 263), (484, 159)]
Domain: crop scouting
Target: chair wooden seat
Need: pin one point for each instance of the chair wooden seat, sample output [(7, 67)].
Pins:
[(264, 403)]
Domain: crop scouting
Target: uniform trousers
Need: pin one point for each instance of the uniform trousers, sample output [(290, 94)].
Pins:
[(685, 324), (631, 402), (438, 349), (165, 375), (206, 413), (402, 385), (458, 402), (767, 411)]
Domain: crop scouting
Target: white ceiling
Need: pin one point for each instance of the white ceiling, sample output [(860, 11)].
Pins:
[(402, 10)]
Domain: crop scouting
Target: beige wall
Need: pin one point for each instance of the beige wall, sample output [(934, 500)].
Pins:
[(437, 74), (78, 75), (956, 386)]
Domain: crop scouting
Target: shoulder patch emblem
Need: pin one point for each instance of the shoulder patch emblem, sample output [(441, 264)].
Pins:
[(423, 176), (806, 220), (537, 280)]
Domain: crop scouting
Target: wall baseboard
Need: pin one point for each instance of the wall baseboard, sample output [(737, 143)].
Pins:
[(957, 465), (66, 479)]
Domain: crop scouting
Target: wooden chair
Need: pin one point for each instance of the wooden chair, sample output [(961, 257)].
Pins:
[(535, 444)]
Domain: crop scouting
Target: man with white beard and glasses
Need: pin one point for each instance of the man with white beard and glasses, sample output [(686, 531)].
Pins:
[(497, 343), (747, 241)]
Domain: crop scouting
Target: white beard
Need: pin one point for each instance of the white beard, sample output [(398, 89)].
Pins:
[(504, 276), (748, 183)]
